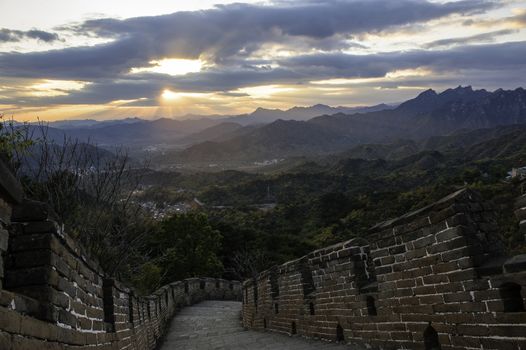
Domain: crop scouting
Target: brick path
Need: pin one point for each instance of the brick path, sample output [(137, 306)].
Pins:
[(217, 325)]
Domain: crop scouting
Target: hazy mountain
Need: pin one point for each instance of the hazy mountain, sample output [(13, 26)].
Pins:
[(429, 114), (87, 123), (219, 132), (501, 142), (141, 132), (282, 137), (258, 136), (265, 116), (137, 132), (396, 150)]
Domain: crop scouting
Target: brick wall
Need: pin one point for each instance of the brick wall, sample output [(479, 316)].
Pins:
[(436, 278), (54, 297)]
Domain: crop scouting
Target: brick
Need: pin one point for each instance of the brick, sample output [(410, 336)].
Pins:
[(457, 297), (9, 320), (448, 234), (499, 344), (508, 331), (4, 238), (465, 342), (477, 330), (5, 341), (30, 210), (425, 241)]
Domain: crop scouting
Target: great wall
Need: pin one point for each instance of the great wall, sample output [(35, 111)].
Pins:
[(436, 278), (53, 297)]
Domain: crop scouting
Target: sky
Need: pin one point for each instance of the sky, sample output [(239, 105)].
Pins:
[(77, 59)]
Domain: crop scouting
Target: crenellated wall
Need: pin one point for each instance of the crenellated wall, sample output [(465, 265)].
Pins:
[(436, 278), (54, 297)]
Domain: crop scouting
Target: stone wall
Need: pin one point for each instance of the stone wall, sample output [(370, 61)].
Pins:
[(54, 297), (436, 278)]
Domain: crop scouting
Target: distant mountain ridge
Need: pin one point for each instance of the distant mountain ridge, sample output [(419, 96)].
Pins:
[(259, 116), (141, 132), (265, 116), (258, 136), (429, 114)]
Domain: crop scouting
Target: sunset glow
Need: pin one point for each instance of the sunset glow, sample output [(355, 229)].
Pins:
[(55, 87), (180, 58), (171, 66)]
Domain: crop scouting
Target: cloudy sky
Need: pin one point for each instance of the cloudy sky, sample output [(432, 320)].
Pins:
[(104, 59)]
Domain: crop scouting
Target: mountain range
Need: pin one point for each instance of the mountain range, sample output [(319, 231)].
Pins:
[(383, 131), (429, 114)]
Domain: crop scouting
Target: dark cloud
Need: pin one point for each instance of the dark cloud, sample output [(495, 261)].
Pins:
[(518, 20), (8, 35), (465, 63), (506, 56), (225, 32), (229, 35), (480, 38)]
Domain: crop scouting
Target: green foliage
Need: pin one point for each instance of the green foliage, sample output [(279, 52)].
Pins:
[(147, 279), (315, 206), (187, 246), (13, 139)]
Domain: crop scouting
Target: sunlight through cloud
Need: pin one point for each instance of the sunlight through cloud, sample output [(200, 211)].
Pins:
[(264, 90), (49, 87), (168, 95), (171, 66)]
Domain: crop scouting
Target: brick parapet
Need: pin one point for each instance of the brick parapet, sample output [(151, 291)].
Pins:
[(55, 297), (438, 275)]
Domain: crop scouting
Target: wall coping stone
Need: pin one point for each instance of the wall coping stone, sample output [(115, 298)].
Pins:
[(440, 204), (515, 263), (9, 186)]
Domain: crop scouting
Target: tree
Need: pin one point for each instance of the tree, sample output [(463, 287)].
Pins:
[(90, 190), (187, 246), (147, 279), (13, 140)]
